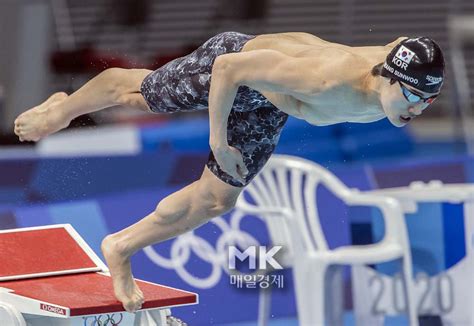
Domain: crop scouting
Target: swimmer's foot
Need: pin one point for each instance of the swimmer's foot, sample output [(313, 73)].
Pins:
[(125, 288), (42, 120)]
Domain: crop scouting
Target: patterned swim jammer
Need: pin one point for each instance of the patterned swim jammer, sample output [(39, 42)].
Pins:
[(254, 124)]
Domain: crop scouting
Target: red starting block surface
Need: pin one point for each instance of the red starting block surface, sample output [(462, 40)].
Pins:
[(92, 293), (27, 253), (51, 271)]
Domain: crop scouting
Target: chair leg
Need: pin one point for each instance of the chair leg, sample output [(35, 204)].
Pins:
[(309, 277), (363, 315), (408, 285), (264, 306), (334, 283)]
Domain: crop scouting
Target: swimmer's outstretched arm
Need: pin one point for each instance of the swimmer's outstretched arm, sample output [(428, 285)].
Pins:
[(263, 70)]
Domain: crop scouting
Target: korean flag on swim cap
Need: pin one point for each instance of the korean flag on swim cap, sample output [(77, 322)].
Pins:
[(405, 54), (418, 62)]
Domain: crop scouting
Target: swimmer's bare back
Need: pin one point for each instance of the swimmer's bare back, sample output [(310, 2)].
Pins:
[(332, 77)]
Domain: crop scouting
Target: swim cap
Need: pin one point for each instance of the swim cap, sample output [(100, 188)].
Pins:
[(417, 62)]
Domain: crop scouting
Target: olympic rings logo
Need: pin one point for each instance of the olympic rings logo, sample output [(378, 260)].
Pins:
[(188, 243), (103, 320)]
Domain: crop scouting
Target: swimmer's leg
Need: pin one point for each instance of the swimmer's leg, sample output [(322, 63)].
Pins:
[(114, 86), (180, 212)]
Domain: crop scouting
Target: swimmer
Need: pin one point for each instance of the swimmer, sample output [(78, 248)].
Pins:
[(257, 82)]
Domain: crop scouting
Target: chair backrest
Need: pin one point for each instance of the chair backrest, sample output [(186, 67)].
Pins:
[(291, 183)]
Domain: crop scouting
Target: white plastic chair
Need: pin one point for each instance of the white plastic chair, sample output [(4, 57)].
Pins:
[(284, 193)]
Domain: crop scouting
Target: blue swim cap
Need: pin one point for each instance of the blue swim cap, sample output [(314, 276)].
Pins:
[(418, 62)]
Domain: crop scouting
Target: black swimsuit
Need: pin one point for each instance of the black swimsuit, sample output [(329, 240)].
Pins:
[(254, 124)]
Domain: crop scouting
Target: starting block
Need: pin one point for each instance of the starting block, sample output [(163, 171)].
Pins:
[(50, 276)]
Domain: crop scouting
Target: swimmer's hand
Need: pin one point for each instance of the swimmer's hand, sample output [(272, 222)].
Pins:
[(230, 160)]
